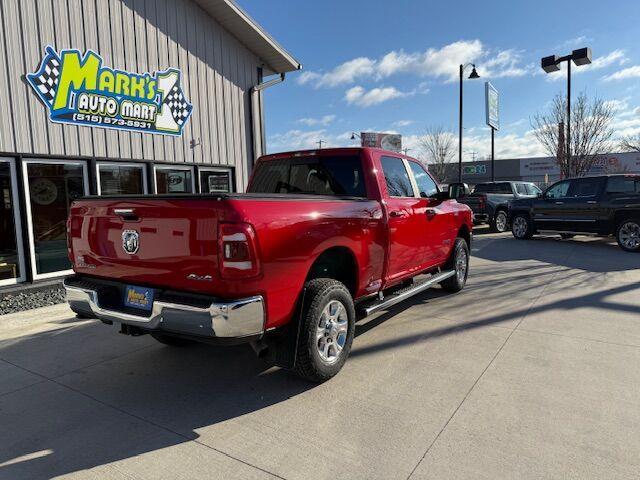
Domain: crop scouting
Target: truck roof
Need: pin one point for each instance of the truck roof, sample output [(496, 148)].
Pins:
[(332, 151)]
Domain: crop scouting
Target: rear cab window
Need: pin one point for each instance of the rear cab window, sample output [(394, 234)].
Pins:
[(585, 187), (396, 177), (339, 175)]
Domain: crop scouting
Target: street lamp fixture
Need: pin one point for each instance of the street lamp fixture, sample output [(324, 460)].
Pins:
[(354, 135), (550, 64), (473, 75)]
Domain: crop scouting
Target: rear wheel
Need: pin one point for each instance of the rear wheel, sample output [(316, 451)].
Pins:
[(522, 227), (628, 235), (327, 330), (500, 223), (459, 262)]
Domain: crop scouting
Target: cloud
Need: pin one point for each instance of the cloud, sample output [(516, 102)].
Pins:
[(403, 123), (624, 74), (440, 63), (366, 98), (296, 139), (575, 42), (615, 57), (322, 121), (343, 74)]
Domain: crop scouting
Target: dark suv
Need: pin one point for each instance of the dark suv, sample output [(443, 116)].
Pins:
[(602, 206)]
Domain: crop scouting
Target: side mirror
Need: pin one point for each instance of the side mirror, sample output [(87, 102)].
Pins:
[(458, 190)]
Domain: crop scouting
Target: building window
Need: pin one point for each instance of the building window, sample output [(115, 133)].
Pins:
[(172, 179), (11, 254), (121, 179), (215, 180), (51, 186)]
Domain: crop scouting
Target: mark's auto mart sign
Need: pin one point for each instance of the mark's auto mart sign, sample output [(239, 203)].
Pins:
[(79, 89)]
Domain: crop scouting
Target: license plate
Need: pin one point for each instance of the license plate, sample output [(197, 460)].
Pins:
[(138, 297)]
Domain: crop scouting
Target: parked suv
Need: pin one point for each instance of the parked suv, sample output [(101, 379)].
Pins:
[(601, 206), (490, 201)]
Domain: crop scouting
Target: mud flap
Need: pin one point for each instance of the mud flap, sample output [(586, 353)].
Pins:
[(283, 347)]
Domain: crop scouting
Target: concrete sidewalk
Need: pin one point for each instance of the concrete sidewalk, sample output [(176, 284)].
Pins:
[(530, 372)]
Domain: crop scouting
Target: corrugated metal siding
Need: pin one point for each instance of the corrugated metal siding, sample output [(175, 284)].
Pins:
[(139, 36)]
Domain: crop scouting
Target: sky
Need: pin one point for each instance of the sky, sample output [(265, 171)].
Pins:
[(393, 67)]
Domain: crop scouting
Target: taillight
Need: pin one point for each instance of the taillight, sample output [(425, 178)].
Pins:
[(238, 256)]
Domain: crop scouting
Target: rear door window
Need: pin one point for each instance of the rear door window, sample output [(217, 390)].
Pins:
[(521, 188), (584, 187), (397, 177), (340, 175)]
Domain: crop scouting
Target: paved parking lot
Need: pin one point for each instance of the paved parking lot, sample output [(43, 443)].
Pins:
[(533, 371)]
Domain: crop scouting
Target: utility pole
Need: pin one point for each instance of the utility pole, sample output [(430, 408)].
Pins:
[(320, 142)]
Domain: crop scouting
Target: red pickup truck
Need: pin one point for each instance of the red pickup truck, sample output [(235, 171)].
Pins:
[(319, 236)]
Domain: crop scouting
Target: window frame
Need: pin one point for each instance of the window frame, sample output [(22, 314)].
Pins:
[(27, 193), (229, 171), (190, 168), (143, 166), (407, 169), (17, 221)]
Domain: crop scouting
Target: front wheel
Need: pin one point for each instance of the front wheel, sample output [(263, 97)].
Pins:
[(459, 263), (500, 223), (628, 235), (522, 227), (327, 330)]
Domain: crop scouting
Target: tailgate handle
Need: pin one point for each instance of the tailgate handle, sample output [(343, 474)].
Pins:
[(126, 213)]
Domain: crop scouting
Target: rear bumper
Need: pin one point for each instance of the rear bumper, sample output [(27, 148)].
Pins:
[(233, 320)]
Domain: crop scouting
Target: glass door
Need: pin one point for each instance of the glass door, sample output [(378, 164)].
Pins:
[(51, 186), (11, 251)]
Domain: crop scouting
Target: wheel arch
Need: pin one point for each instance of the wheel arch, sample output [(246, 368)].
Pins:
[(465, 233), (339, 263)]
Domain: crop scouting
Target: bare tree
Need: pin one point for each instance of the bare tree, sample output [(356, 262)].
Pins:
[(591, 132), (438, 148), (630, 143)]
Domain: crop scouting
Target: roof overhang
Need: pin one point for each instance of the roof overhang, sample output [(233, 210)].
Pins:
[(251, 34)]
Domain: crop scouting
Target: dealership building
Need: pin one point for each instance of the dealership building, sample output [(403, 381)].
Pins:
[(119, 97), (539, 170)]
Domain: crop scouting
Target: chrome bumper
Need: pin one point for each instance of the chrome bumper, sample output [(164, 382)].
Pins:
[(237, 319)]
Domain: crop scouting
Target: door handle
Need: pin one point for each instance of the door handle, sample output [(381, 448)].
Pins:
[(431, 212), (396, 213), (592, 202), (559, 203)]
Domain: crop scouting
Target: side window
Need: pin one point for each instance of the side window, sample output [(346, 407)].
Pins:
[(504, 188), (626, 184), (397, 177), (532, 189), (584, 187), (521, 189), (559, 190), (426, 186)]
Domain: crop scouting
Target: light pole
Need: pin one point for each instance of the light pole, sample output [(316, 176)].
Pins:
[(550, 64), (473, 75)]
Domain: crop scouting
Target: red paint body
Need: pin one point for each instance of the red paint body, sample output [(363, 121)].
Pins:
[(179, 237)]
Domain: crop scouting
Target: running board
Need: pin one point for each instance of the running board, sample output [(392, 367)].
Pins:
[(409, 292)]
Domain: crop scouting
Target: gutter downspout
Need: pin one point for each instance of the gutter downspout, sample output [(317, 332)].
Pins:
[(257, 115)]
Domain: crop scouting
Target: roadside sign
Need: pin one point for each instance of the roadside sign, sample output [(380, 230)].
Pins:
[(388, 141), (492, 106)]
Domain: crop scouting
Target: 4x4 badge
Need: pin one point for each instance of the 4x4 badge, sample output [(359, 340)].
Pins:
[(130, 241)]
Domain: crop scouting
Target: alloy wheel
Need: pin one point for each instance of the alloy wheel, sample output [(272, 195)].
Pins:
[(629, 235), (520, 226), (331, 331), (501, 222), (462, 264)]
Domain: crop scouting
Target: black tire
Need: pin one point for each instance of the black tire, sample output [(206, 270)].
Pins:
[(459, 259), (499, 222), (628, 234), (171, 340), (567, 236), (310, 364), (522, 227)]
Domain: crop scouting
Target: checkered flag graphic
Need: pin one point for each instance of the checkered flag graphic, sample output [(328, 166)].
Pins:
[(47, 78), (178, 105)]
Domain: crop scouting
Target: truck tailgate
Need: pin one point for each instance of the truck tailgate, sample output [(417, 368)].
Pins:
[(159, 242)]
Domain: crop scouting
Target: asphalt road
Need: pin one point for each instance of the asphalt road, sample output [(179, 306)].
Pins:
[(531, 372)]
